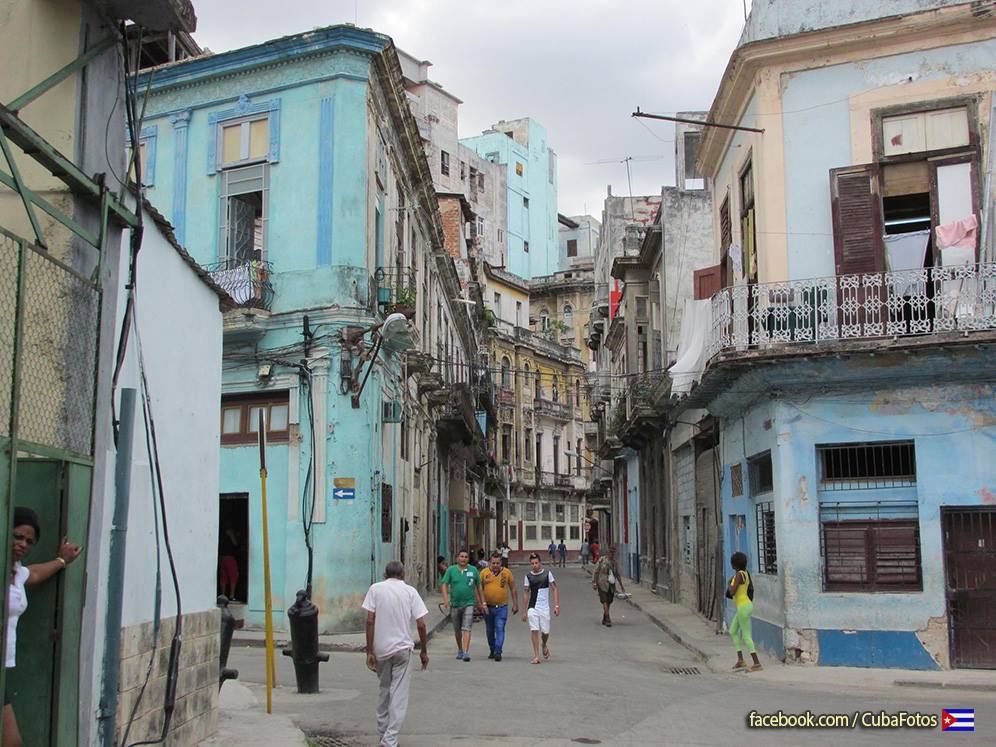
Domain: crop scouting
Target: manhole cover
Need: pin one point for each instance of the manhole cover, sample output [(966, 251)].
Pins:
[(586, 740), (684, 670), (326, 741)]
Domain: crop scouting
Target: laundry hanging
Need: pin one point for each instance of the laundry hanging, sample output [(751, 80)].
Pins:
[(904, 254)]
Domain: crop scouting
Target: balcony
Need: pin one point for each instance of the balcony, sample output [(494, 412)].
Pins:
[(506, 396), (556, 481), (458, 419), (247, 281), (395, 291), (551, 409), (848, 308)]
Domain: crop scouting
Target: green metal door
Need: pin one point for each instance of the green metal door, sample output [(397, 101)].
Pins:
[(44, 686)]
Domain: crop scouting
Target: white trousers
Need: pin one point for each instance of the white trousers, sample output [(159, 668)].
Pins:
[(394, 673)]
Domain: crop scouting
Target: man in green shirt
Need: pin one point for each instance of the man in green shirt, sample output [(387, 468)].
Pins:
[(461, 588)]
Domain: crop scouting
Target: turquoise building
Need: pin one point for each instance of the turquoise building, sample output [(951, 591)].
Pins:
[(294, 171), (533, 234)]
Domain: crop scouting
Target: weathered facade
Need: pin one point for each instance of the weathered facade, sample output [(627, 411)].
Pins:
[(848, 343)]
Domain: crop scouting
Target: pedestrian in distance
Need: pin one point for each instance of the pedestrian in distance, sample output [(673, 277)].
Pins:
[(26, 533), (496, 585), (461, 589), (585, 552), (562, 551), (391, 606), (741, 590), (552, 549), (506, 551), (441, 566), (481, 562), (604, 581), (538, 584), (594, 551)]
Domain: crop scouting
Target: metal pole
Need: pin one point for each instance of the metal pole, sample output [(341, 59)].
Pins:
[(270, 663), (107, 720)]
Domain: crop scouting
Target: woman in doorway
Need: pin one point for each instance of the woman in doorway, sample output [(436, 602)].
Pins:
[(26, 533)]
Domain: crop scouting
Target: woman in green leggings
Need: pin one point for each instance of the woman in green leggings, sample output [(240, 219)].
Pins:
[(740, 627)]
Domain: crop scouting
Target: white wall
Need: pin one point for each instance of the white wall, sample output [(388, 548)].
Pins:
[(180, 326)]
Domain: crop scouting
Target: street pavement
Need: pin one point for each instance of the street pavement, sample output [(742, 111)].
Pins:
[(631, 684)]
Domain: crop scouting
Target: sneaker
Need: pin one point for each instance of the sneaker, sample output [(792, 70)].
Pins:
[(459, 655), (466, 657), (497, 657), (491, 655), (608, 623)]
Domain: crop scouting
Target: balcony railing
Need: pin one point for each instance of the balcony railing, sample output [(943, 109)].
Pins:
[(932, 300), (552, 409), (556, 480), (396, 289), (247, 281)]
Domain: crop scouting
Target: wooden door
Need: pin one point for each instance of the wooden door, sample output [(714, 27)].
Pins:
[(970, 585)]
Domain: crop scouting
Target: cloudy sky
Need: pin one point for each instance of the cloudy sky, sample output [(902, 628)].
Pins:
[(579, 67)]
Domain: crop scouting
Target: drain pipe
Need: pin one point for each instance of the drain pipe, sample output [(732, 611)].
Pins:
[(107, 716)]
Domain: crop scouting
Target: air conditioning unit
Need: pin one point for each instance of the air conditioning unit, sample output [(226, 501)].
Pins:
[(393, 412)]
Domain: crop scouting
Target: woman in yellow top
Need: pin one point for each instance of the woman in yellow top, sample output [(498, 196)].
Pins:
[(740, 627)]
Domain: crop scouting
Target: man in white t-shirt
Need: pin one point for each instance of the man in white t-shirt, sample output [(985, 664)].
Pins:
[(506, 551), (538, 584), (391, 606)]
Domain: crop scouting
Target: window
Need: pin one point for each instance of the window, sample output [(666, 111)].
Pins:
[(444, 162), (575, 512), (577, 456), (545, 511), (480, 181), (506, 373), (463, 171), (512, 509), (559, 533), (572, 247), (386, 512), (861, 466), (575, 533), (559, 512), (480, 226), (525, 203), (544, 320), (404, 437), (518, 319), (555, 389), (539, 389), (641, 307), (513, 532), (244, 141), (518, 169), (686, 539), (568, 316), (692, 178), (577, 397), (244, 213), (506, 443), (530, 511), (760, 474), (736, 480), (767, 554), (497, 304), (529, 444), (748, 230), (525, 247), (240, 417), (917, 132), (871, 555), (546, 532), (501, 237), (531, 532)]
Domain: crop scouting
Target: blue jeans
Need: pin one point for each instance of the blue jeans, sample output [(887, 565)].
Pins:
[(495, 622)]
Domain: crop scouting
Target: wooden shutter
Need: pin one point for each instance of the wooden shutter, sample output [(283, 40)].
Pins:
[(725, 239), (857, 219), (845, 555), (897, 555), (708, 281), (386, 511), (874, 555)]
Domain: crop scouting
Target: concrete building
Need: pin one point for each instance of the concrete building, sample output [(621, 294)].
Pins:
[(846, 330), (320, 237), (531, 237), (578, 240)]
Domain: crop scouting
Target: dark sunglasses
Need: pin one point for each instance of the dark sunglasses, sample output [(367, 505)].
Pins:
[(24, 538)]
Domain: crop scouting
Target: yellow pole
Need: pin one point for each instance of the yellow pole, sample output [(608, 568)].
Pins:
[(271, 677)]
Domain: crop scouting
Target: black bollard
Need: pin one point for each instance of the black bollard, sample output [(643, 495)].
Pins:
[(227, 629), (304, 643)]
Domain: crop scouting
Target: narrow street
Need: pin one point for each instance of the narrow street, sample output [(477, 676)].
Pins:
[(630, 684)]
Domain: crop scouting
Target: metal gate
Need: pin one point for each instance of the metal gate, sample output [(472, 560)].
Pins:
[(970, 585)]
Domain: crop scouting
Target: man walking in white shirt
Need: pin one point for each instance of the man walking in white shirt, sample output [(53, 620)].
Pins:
[(391, 606), (537, 584)]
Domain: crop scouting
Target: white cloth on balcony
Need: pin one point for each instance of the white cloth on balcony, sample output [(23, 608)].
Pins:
[(238, 282), (958, 295), (905, 252), (696, 325)]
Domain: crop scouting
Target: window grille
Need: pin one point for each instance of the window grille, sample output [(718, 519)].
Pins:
[(575, 533), (530, 511), (531, 532), (761, 476), (767, 554), (859, 466), (546, 532)]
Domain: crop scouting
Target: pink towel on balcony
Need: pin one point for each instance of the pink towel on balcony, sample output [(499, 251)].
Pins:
[(961, 232)]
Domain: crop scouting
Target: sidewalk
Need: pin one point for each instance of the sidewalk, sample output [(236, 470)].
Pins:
[(699, 636), (349, 642)]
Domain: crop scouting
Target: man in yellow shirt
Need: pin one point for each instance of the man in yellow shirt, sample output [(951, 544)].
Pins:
[(496, 583)]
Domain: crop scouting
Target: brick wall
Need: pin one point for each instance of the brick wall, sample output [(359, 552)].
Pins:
[(195, 716), (452, 215)]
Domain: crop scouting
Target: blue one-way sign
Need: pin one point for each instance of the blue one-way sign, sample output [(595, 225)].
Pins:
[(344, 488), (344, 493)]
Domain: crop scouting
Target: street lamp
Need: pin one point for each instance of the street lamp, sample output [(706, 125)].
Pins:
[(571, 454), (387, 331)]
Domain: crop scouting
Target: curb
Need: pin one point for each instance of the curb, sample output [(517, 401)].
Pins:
[(672, 632), (933, 684)]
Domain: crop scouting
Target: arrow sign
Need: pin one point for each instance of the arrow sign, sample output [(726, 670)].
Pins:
[(344, 488), (344, 493)]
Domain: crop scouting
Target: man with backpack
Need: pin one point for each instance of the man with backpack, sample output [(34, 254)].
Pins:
[(741, 591)]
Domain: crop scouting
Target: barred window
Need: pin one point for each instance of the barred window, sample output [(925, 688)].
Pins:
[(767, 554), (860, 466)]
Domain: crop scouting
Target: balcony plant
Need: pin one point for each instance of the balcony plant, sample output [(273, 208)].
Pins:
[(404, 301)]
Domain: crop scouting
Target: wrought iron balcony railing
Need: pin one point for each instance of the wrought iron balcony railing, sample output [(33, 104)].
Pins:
[(395, 289), (932, 300), (247, 281), (552, 409)]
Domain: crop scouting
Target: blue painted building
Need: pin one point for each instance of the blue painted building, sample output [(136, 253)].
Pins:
[(850, 332), (294, 170), (532, 239)]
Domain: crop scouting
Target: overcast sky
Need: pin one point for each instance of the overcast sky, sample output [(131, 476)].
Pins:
[(579, 67)]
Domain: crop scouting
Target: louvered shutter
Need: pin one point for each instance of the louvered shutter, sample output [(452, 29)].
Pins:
[(707, 282), (857, 219), (725, 239)]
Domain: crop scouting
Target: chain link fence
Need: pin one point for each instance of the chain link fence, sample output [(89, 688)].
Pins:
[(55, 326)]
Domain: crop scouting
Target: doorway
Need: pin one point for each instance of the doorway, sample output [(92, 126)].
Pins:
[(970, 585), (233, 542)]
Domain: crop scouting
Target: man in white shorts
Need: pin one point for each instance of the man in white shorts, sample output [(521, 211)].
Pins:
[(538, 584)]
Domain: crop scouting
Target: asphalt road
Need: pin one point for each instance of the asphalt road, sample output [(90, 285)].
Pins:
[(629, 684)]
